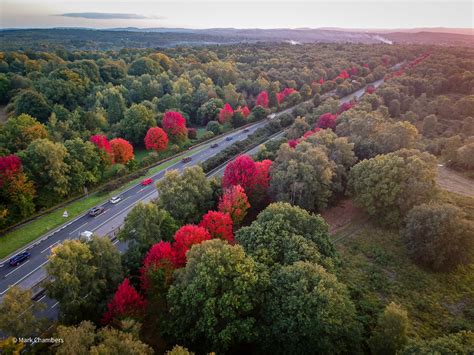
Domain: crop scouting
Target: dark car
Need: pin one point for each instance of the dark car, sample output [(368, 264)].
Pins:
[(19, 258), (215, 145), (186, 160), (96, 211), (228, 139), (246, 130)]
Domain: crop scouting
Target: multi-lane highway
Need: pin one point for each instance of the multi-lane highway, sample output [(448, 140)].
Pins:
[(32, 271)]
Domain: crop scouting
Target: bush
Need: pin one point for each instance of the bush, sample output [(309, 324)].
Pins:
[(213, 126), (192, 133), (438, 236)]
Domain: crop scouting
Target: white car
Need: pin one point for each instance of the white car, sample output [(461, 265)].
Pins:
[(115, 199)]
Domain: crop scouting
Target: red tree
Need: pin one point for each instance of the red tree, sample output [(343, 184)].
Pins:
[(184, 239), (9, 167), (226, 113), (343, 74), (345, 106), (327, 120), (280, 97), (293, 143), (174, 125), (241, 171), (245, 111), (103, 144), (263, 174), (219, 225), (156, 139), (262, 99), (234, 202), (354, 71), (126, 303), (160, 256), (122, 150), (370, 89), (321, 81)]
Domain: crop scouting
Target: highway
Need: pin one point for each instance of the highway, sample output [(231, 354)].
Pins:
[(32, 271)]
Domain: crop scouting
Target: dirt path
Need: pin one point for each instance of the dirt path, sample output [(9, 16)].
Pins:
[(452, 181), (340, 216)]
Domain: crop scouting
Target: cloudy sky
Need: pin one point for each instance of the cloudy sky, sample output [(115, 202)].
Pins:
[(238, 14)]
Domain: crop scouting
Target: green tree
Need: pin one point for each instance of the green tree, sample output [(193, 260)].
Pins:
[(209, 110), (145, 225), (438, 235), (302, 176), (391, 332), (45, 163), (306, 311), (213, 300), (144, 65), (283, 234), (430, 123), (298, 128), (138, 119), (113, 102), (32, 103), (388, 186), (191, 186), (460, 343), (17, 313), (84, 275)]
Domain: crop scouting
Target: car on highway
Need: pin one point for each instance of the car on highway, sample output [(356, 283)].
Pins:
[(186, 160), (19, 258), (228, 139), (96, 211), (86, 235), (115, 199), (246, 130), (214, 145), (147, 182)]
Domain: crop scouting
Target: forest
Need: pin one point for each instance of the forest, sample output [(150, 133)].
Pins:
[(253, 262)]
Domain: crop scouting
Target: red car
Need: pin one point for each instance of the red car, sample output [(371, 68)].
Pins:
[(147, 182)]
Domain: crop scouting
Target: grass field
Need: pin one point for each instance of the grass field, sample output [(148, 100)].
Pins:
[(20, 237), (377, 269)]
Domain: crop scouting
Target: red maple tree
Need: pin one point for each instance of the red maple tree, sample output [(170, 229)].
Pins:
[(327, 120), (103, 144), (10, 165), (160, 256), (262, 99), (241, 171), (126, 302), (184, 239), (219, 225), (122, 150), (174, 125), (226, 113), (156, 139), (234, 202)]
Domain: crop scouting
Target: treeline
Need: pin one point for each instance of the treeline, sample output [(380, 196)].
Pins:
[(78, 119)]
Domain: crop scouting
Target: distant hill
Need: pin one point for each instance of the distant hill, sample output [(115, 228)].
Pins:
[(117, 38)]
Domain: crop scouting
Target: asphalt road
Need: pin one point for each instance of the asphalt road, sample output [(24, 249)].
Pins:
[(32, 271)]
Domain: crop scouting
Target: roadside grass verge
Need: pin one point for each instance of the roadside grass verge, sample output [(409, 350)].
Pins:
[(29, 232), (377, 270)]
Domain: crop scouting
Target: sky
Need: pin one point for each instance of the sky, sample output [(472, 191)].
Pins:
[(380, 14)]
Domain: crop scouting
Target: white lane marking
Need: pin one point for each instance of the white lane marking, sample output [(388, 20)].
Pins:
[(54, 305), (123, 199), (41, 298), (77, 229), (24, 277), (17, 268), (52, 245), (114, 243), (141, 190)]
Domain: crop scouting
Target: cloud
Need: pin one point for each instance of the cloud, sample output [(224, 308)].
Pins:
[(108, 16)]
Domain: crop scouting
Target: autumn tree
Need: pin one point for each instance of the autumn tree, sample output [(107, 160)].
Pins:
[(219, 225), (103, 145), (388, 186), (298, 128), (83, 276), (184, 239), (18, 313), (32, 103), (225, 114), (125, 303), (45, 162), (235, 203), (19, 131), (213, 300), (174, 125), (191, 186), (262, 99), (308, 311), (327, 120), (252, 177), (302, 176), (438, 235), (122, 150)]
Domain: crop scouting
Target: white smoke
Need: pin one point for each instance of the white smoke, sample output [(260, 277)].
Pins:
[(382, 39)]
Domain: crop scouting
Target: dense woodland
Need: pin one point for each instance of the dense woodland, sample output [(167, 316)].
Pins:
[(246, 263)]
